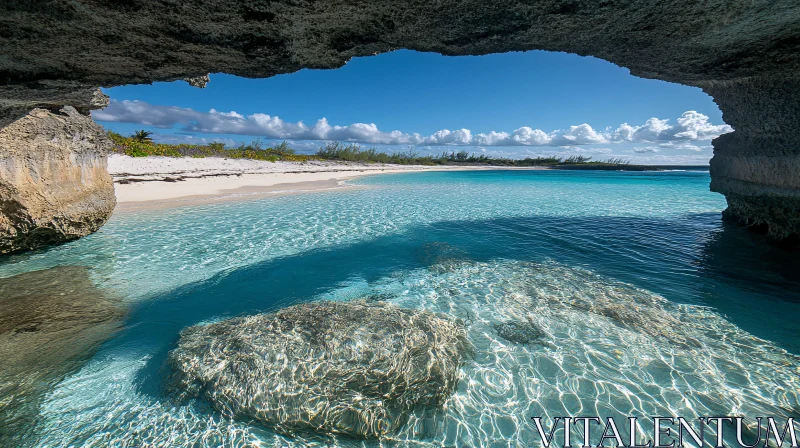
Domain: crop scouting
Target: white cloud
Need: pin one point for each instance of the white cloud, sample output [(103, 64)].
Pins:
[(684, 146), (582, 135), (692, 126), (674, 159), (146, 114), (448, 137), (190, 139), (591, 150), (523, 136)]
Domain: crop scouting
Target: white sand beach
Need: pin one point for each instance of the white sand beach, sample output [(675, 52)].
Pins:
[(163, 182)]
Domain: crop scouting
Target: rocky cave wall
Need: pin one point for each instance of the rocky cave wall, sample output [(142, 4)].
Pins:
[(757, 167), (745, 53)]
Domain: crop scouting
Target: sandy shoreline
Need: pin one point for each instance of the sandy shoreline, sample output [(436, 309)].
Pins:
[(164, 182)]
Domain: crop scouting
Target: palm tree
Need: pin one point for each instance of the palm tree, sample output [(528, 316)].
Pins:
[(142, 136)]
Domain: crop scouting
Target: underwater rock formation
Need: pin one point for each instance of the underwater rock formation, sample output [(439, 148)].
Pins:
[(595, 357), (441, 256), (356, 368), (50, 321), (645, 316), (519, 332), (54, 186), (624, 305)]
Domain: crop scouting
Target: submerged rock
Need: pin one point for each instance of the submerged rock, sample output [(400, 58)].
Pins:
[(50, 322), (637, 312), (520, 332), (553, 287), (379, 297), (442, 257), (54, 185), (356, 368)]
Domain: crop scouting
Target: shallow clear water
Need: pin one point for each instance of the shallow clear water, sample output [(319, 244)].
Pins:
[(716, 332)]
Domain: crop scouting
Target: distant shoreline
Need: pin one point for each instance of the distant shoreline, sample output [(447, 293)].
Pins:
[(590, 167), (145, 183)]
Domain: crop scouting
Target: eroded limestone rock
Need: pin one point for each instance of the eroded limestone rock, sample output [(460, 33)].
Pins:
[(50, 322), (757, 167), (198, 81), (54, 185), (355, 368), (78, 46)]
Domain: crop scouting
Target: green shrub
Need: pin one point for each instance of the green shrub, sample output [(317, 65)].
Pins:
[(255, 150)]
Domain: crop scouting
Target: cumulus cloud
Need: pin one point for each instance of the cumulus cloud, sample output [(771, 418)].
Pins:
[(190, 139), (686, 146), (448, 137), (692, 126), (590, 150), (147, 114), (670, 159), (523, 136)]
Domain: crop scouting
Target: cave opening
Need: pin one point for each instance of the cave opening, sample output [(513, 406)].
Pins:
[(509, 105), (535, 233)]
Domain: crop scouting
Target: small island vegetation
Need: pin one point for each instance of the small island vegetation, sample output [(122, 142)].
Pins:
[(141, 145)]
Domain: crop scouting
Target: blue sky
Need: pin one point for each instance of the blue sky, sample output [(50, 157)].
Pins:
[(513, 104)]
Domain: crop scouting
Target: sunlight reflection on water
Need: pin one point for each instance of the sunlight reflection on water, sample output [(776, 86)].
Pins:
[(543, 267)]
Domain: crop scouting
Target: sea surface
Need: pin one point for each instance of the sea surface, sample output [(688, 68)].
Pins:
[(716, 329)]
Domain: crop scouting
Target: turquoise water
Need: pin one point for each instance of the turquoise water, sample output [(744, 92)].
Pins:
[(716, 332)]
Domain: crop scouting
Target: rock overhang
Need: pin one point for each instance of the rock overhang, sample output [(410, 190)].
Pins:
[(55, 49)]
